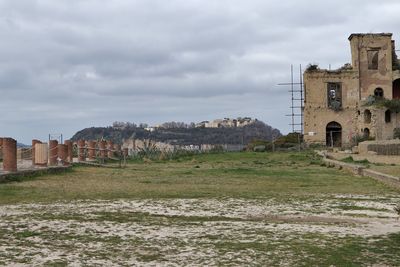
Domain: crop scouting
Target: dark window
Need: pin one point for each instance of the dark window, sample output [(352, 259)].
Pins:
[(334, 93), (373, 59), (396, 89), (378, 92), (366, 133), (367, 116), (388, 116)]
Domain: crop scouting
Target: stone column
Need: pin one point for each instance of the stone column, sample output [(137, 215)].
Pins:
[(110, 148), (34, 142), (62, 152), (1, 147), (53, 153), (9, 155), (102, 148), (81, 150), (92, 150), (70, 156)]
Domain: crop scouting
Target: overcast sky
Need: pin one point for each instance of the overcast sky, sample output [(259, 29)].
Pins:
[(70, 64)]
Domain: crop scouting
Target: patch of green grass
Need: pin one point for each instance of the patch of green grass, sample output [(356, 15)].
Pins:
[(245, 175), (350, 159), (25, 234), (56, 263), (150, 257)]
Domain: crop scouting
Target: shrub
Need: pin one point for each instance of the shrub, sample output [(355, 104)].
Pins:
[(259, 145), (289, 139), (396, 133), (371, 100), (392, 104), (336, 105), (312, 67)]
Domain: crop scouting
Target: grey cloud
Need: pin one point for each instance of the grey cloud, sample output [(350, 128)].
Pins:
[(69, 64)]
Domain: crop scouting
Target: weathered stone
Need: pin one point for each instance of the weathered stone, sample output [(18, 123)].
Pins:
[(53, 152), (103, 150), (336, 109), (92, 150), (70, 156), (81, 150), (34, 142), (110, 149), (9, 155), (63, 154)]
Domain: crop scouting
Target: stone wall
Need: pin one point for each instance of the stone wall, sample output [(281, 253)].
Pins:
[(357, 81), (384, 147), (317, 114)]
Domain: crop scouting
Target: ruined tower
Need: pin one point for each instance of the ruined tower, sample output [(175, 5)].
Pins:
[(343, 105)]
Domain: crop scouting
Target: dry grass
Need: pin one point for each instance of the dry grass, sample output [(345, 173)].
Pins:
[(234, 209), (388, 169), (247, 175)]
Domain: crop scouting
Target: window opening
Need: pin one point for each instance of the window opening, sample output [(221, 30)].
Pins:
[(334, 92), (388, 116), (367, 116), (373, 59), (378, 92)]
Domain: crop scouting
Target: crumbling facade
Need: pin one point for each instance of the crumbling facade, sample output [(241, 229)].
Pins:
[(341, 106)]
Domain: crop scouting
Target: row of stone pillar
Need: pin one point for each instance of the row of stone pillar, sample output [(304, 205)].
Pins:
[(58, 152), (106, 149)]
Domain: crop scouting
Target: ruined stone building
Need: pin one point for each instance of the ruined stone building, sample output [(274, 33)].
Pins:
[(343, 105)]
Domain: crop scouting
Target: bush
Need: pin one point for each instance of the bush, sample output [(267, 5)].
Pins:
[(289, 140), (371, 100), (259, 146), (396, 133), (312, 67), (392, 104), (336, 105)]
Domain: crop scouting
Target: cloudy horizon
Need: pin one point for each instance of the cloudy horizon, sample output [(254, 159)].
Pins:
[(70, 64)]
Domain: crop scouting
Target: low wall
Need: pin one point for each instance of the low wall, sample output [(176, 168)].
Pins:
[(353, 168), (370, 157), (383, 147), (21, 174), (363, 171)]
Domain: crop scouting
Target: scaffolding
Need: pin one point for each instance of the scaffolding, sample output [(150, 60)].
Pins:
[(56, 136), (297, 101)]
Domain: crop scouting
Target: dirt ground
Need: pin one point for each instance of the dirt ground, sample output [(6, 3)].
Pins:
[(180, 232)]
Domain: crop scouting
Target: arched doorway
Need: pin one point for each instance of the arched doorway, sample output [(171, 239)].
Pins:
[(396, 89), (333, 134), (366, 133)]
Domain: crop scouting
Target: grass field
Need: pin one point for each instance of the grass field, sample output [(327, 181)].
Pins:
[(281, 209)]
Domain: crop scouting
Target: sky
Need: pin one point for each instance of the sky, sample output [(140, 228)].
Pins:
[(70, 64)]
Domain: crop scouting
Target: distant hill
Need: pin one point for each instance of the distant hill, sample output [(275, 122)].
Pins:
[(20, 145), (183, 135)]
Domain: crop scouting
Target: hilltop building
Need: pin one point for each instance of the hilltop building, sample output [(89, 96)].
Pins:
[(354, 101), (226, 122)]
